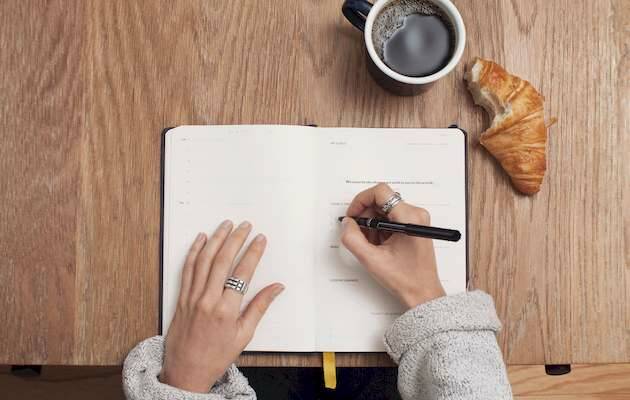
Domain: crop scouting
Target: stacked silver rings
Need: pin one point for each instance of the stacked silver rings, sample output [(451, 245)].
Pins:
[(236, 284), (391, 203)]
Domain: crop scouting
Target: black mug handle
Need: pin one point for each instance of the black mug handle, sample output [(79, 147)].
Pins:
[(356, 12)]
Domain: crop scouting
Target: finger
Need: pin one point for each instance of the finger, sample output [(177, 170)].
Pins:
[(417, 215), (356, 242), (375, 197), (362, 201), (189, 266), (383, 236), (256, 309), (245, 268), (206, 257), (225, 259), (370, 234), (372, 198)]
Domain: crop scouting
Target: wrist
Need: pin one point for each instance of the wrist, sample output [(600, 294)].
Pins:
[(423, 295)]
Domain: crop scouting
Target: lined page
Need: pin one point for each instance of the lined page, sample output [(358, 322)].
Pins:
[(262, 174), (428, 168)]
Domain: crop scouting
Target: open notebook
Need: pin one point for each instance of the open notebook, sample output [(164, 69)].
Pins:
[(292, 182)]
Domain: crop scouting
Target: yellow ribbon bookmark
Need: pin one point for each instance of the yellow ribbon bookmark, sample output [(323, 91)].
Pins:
[(330, 372)]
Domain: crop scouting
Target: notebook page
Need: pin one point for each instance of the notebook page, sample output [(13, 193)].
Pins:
[(428, 168), (262, 174)]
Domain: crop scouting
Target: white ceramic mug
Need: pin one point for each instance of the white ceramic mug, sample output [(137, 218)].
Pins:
[(362, 14)]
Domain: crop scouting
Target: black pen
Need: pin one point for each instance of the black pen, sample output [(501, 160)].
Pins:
[(430, 232)]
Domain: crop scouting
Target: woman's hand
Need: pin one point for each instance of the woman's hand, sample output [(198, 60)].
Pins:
[(404, 265), (208, 331)]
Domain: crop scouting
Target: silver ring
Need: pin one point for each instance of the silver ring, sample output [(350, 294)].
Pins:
[(236, 284), (393, 200)]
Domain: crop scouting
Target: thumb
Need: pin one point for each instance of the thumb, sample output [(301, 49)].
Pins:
[(258, 307), (355, 241)]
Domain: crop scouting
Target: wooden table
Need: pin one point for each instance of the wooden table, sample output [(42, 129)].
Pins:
[(87, 87)]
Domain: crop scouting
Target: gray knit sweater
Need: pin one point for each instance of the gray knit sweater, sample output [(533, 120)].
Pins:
[(445, 349)]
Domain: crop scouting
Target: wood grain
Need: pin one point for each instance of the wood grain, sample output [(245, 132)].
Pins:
[(585, 382), (599, 295), (313, 360), (88, 87), (41, 114), (575, 397), (584, 379), (64, 383)]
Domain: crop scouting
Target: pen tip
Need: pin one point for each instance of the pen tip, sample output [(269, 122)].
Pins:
[(340, 219)]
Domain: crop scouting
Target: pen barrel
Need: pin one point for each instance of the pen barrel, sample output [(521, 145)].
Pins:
[(431, 232)]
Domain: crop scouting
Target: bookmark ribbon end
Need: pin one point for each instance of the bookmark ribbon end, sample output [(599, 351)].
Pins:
[(330, 370)]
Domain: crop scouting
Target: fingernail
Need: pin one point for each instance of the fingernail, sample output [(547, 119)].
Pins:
[(259, 238), (244, 225), (277, 290), (199, 237), (345, 221), (226, 224)]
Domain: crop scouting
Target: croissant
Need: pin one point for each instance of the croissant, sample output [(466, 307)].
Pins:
[(517, 137)]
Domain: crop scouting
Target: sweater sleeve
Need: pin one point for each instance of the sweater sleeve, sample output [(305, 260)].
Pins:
[(142, 368), (447, 349)]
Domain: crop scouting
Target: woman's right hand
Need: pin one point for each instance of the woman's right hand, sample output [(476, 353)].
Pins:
[(405, 265)]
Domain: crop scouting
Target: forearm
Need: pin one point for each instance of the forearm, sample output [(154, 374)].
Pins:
[(142, 368), (447, 349)]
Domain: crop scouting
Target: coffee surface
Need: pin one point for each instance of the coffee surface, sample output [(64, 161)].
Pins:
[(413, 37), (420, 47)]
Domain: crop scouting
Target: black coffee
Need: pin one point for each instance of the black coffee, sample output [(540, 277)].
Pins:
[(422, 46), (413, 37)]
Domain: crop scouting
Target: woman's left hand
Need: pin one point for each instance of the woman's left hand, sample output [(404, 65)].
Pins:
[(208, 331)]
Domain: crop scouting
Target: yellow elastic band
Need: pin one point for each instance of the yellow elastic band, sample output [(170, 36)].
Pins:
[(330, 373)]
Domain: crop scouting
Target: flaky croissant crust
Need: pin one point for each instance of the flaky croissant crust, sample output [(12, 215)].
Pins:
[(517, 137)]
